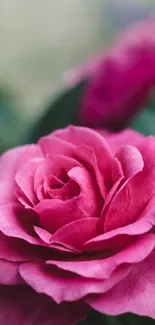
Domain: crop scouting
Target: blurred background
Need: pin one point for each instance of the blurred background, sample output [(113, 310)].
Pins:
[(42, 39)]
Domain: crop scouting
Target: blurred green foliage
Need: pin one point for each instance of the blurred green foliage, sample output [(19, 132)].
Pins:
[(95, 318), (10, 122), (62, 111), (145, 121)]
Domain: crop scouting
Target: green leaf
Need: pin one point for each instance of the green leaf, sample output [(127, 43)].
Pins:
[(145, 121), (63, 111), (95, 318), (9, 122)]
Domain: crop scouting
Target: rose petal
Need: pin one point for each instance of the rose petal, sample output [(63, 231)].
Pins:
[(40, 193), (89, 190), (85, 205), (57, 162), (96, 145), (43, 234), (17, 222), (81, 135), (25, 180), (131, 160), (123, 138), (52, 144), (51, 166), (12, 160), (114, 238), (147, 149), (137, 251), (62, 286), (6, 192), (145, 145), (135, 293), (21, 305), (9, 274), (104, 178), (130, 200), (76, 233), (17, 250)]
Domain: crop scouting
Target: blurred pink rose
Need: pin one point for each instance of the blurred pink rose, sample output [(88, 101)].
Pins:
[(119, 79), (77, 213)]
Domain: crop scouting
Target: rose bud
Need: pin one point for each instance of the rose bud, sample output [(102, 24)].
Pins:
[(119, 80)]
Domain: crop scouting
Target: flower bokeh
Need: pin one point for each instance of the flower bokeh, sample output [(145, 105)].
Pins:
[(119, 80)]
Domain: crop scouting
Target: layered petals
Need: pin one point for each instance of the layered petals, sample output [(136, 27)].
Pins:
[(62, 286), (133, 294), (77, 217)]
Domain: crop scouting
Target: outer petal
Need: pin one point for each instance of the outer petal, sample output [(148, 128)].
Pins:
[(21, 305), (147, 149), (123, 138), (64, 286), (145, 145), (9, 274), (10, 163), (131, 160), (135, 293), (25, 180), (17, 250), (17, 222)]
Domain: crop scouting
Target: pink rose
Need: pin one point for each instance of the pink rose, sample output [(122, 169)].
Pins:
[(119, 79), (77, 216)]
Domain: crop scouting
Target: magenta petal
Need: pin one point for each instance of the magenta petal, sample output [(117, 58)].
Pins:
[(91, 199), (13, 249), (123, 138), (90, 148), (102, 173), (103, 268), (113, 95), (135, 293), (15, 158), (147, 149), (86, 205), (51, 144), (11, 161), (58, 162), (131, 199), (145, 145), (17, 222), (9, 274), (76, 233), (63, 286), (113, 238), (90, 144), (81, 135), (43, 234), (22, 306), (6, 192), (25, 180), (17, 250), (131, 160)]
